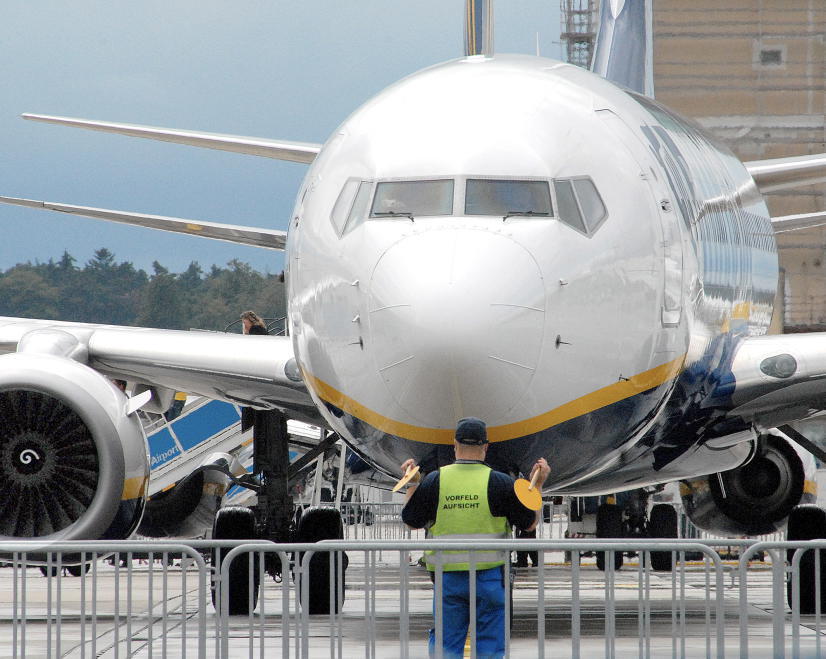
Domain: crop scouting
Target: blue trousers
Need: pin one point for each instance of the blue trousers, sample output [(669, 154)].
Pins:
[(490, 614)]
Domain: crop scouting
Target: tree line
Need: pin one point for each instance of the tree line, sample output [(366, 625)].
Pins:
[(105, 291)]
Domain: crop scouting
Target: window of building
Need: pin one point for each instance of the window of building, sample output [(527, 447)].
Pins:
[(771, 57)]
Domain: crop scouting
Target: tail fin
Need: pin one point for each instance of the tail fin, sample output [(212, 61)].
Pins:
[(624, 51), (479, 27)]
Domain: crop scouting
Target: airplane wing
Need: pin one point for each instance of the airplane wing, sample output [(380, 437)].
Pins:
[(784, 173), (786, 223), (258, 371), (778, 379), (303, 152), (258, 237)]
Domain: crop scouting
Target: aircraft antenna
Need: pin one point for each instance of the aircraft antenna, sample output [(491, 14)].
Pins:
[(479, 28)]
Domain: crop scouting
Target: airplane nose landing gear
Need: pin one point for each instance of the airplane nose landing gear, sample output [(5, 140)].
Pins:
[(271, 519)]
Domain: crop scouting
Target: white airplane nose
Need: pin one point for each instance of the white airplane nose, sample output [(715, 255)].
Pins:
[(456, 321)]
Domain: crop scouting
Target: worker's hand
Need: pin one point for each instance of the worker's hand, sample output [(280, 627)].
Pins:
[(544, 471), (407, 465)]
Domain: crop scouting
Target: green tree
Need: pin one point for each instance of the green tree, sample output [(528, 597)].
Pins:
[(105, 291), (162, 301), (25, 292)]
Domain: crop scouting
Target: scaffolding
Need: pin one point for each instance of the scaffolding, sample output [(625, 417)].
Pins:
[(579, 24)]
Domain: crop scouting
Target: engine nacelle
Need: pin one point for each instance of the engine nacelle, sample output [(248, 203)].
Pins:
[(757, 497), (73, 465)]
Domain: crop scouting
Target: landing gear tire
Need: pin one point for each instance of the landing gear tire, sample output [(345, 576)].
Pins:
[(323, 524), (73, 570), (807, 522), (78, 570), (236, 523), (609, 525), (662, 523)]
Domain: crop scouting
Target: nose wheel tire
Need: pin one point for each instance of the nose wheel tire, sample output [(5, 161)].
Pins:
[(609, 525), (662, 523), (236, 523), (807, 522), (323, 524)]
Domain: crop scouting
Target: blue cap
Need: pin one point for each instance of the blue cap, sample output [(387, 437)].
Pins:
[(471, 431)]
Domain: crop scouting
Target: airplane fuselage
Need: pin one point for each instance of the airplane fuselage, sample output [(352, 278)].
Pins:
[(517, 239)]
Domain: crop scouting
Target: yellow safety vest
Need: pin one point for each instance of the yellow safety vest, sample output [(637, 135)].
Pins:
[(464, 514)]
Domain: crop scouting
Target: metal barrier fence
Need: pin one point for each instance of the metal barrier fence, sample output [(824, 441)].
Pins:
[(153, 599)]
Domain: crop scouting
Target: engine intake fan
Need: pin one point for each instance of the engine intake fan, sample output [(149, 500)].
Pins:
[(73, 465), (48, 465)]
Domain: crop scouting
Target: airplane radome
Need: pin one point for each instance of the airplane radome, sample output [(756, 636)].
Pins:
[(507, 237)]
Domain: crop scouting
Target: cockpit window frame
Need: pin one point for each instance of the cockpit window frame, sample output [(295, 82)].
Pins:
[(591, 227), (459, 201)]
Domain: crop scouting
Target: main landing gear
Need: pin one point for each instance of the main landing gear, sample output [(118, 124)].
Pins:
[(626, 516), (807, 522), (272, 519)]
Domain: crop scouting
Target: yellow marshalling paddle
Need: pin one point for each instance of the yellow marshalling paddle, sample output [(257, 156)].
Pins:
[(527, 493), (411, 472)]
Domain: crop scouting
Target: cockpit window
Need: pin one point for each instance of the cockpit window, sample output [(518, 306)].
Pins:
[(507, 198), (580, 205), (358, 211), (568, 208), (593, 210), (413, 198), (341, 209)]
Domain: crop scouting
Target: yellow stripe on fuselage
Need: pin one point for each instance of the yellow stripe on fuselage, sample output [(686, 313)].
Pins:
[(613, 393)]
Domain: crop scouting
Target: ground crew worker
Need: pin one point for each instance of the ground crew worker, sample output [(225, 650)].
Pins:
[(468, 500)]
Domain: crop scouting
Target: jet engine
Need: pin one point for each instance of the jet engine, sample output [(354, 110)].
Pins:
[(757, 497), (73, 463)]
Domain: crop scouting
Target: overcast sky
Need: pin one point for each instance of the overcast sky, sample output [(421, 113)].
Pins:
[(285, 70)]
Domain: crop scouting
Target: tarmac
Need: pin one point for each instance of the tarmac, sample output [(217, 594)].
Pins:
[(371, 624)]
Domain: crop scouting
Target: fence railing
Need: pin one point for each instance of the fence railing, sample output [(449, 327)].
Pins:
[(154, 599)]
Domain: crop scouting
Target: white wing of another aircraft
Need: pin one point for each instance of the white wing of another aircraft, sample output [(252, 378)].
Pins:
[(782, 173), (255, 236), (304, 152), (786, 223)]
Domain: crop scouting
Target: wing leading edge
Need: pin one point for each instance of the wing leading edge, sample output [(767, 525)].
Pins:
[(248, 370), (243, 235), (303, 152)]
